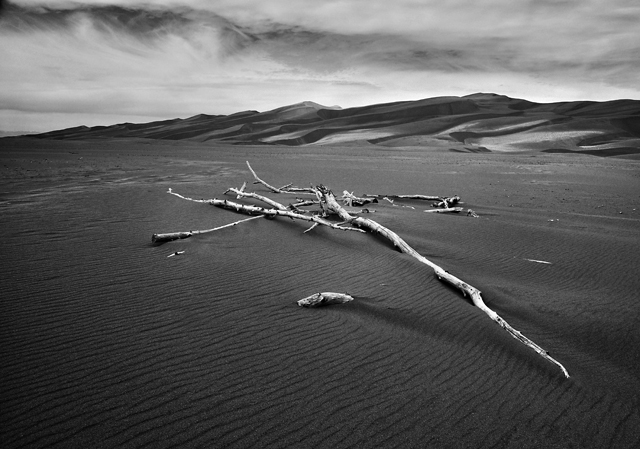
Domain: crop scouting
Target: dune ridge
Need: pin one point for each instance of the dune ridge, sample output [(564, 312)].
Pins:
[(473, 123)]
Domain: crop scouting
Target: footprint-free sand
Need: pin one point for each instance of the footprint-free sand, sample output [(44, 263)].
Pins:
[(107, 342)]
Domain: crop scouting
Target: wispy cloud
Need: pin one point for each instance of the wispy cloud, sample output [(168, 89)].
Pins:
[(99, 59)]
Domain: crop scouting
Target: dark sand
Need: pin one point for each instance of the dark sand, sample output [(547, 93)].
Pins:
[(106, 342)]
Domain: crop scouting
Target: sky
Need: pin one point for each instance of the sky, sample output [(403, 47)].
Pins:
[(99, 62)]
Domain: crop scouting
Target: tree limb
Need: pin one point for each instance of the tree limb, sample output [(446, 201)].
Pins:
[(159, 238), (272, 213), (475, 295)]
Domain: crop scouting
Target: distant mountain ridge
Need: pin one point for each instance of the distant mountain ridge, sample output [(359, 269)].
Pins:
[(474, 123)]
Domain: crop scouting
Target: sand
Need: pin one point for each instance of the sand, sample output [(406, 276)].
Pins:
[(107, 342), (474, 123)]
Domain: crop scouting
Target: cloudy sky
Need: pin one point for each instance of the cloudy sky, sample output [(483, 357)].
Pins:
[(98, 62)]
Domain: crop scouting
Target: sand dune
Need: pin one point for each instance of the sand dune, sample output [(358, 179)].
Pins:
[(107, 342), (474, 123)]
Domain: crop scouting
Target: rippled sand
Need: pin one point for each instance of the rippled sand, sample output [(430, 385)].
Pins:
[(107, 342)]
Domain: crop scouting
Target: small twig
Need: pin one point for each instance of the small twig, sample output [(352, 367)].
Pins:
[(471, 213), (311, 228), (187, 198), (177, 253)]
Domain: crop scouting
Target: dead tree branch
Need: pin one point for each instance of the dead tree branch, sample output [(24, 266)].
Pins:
[(258, 180), (324, 299), (405, 197), (264, 199), (466, 289), (448, 210), (159, 238), (272, 213), (350, 199), (447, 202)]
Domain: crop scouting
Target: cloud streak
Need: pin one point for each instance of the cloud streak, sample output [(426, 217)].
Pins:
[(176, 58)]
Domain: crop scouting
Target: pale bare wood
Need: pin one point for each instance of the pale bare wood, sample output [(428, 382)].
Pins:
[(272, 213), (264, 199), (167, 237), (267, 213), (325, 299), (313, 226), (300, 190), (475, 295), (302, 203), (447, 202), (350, 199), (449, 210), (284, 189), (170, 192), (405, 197), (268, 186)]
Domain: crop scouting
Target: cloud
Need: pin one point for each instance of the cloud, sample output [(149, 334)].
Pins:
[(177, 58)]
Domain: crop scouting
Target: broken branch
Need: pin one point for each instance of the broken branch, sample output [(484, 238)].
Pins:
[(255, 210), (475, 295), (324, 299), (242, 194), (159, 238), (447, 202), (448, 210), (406, 197), (351, 200), (268, 186)]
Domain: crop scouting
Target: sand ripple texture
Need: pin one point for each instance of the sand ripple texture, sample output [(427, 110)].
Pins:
[(107, 342)]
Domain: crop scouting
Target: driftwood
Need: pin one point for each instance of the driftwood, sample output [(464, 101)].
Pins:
[(177, 253), (449, 210), (301, 203), (452, 210), (351, 200), (242, 194), (440, 273), (329, 204), (406, 197), (324, 299), (258, 180), (272, 213), (284, 189), (159, 238), (441, 201), (447, 202)]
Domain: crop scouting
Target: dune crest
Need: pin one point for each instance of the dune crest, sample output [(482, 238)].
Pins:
[(474, 123)]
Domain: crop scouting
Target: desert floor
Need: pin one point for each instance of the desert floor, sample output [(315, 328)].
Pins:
[(107, 342)]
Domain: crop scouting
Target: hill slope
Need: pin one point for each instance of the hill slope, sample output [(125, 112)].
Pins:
[(474, 123)]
